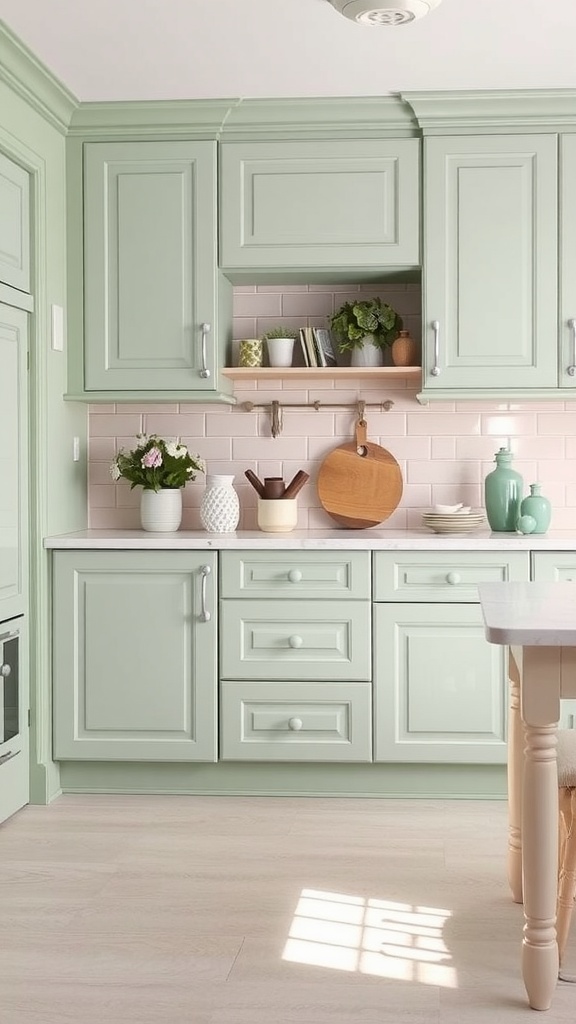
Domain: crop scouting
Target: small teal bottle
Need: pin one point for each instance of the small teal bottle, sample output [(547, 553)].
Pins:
[(537, 506), (503, 489)]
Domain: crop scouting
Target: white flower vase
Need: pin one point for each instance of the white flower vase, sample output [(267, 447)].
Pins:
[(161, 511), (368, 354), (219, 508)]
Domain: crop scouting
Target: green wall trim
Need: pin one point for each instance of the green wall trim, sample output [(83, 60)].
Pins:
[(158, 119), (365, 117), (238, 119), (30, 79), (247, 779), (477, 112)]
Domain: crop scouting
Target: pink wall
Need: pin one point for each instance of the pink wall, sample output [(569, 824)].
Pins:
[(444, 449)]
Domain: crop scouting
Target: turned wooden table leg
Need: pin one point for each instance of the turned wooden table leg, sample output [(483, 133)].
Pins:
[(515, 771), (540, 690)]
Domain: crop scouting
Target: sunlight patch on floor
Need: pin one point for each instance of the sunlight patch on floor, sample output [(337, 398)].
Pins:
[(379, 937)]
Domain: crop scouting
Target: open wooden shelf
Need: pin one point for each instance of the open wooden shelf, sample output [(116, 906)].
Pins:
[(412, 373)]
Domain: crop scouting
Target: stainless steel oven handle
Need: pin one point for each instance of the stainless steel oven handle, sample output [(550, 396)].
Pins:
[(8, 756), (205, 615)]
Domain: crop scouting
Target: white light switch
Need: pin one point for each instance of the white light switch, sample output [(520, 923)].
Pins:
[(76, 449), (57, 328)]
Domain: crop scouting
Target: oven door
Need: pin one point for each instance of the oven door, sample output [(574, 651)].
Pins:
[(13, 722)]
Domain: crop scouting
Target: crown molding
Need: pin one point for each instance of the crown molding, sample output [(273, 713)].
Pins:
[(190, 119), (29, 78), (366, 117), (510, 110)]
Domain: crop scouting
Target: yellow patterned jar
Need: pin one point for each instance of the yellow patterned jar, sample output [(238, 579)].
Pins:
[(251, 352)]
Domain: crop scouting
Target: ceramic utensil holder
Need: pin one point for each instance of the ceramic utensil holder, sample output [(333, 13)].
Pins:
[(278, 515)]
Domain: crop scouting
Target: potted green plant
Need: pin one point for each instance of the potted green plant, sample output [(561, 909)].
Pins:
[(365, 328), (280, 345)]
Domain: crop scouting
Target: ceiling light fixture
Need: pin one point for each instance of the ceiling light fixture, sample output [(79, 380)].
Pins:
[(384, 12)]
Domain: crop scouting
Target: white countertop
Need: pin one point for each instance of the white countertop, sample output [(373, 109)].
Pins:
[(371, 540), (529, 614)]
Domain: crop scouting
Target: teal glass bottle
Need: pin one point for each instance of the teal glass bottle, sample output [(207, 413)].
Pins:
[(536, 505), (503, 489)]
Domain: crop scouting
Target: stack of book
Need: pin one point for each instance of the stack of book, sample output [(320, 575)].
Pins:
[(318, 347)]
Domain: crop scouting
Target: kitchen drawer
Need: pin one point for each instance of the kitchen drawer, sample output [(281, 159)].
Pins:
[(444, 575), (287, 640), (554, 566), (296, 574), (304, 721)]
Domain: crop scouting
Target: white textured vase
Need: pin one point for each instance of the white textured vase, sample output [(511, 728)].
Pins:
[(367, 355), (161, 511), (219, 508)]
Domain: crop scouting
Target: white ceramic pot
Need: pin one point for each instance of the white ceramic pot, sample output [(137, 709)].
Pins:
[(280, 351), (368, 354), (219, 508), (161, 511), (277, 515)]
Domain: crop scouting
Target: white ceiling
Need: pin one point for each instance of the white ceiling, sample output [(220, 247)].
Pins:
[(188, 49)]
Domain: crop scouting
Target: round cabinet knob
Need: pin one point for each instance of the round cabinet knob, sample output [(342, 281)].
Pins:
[(295, 641), (453, 578), (295, 724), (5, 670), (295, 576)]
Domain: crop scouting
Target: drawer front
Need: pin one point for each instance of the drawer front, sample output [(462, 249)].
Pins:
[(444, 575), (284, 640), (554, 566), (296, 574), (295, 721)]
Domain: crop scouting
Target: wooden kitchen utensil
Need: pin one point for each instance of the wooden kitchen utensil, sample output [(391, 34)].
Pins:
[(256, 483), (296, 484), (360, 483)]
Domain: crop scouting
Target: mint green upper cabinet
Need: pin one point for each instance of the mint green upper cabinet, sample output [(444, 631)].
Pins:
[(490, 262), (321, 204), (134, 658), (14, 225), (13, 461), (568, 261), (151, 288)]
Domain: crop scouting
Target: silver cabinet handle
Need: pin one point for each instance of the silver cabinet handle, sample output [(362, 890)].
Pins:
[(435, 371), (205, 615), (571, 371), (204, 371), (8, 756)]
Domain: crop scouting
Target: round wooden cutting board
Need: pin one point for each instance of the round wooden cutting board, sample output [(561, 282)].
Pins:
[(360, 483)]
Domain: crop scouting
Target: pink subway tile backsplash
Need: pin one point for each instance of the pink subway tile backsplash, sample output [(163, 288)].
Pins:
[(445, 449)]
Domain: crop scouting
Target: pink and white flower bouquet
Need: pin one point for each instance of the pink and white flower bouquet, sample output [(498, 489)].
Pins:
[(156, 464)]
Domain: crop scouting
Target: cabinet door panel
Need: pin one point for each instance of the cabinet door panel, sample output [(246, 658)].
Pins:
[(15, 225), (149, 258), (567, 222), (440, 689), (554, 566), (134, 666), (13, 461), (323, 575), (490, 261), (315, 204)]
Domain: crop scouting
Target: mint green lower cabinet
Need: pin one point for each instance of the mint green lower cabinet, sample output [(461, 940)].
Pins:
[(321, 575), (306, 721), (134, 671), (319, 204), (15, 225), (295, 640), (440, 690), (490, 263), (554, 566)]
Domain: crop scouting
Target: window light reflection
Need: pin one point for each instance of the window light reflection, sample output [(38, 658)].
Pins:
[(378, 937)]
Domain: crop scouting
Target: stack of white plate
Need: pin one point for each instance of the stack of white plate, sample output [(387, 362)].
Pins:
[(454, 522)]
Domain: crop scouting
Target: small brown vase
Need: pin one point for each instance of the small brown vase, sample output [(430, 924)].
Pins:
[(404, 351)]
